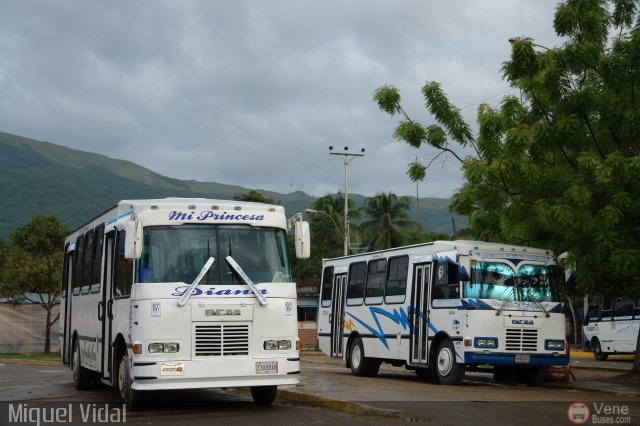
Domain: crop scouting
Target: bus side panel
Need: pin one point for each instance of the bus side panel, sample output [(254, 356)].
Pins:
[(84, 322)]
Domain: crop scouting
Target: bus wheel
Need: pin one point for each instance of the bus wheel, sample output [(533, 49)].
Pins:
[(449, 372), (81, 376), (263, 395), (596, 347), (131, 397), (424, 373), (504, 373), (356, 357), (531, 376)]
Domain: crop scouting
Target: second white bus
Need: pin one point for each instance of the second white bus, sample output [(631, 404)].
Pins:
[(442, 307), (611, 326)]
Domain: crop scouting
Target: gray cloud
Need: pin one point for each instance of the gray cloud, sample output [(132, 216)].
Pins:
[(253, 92)]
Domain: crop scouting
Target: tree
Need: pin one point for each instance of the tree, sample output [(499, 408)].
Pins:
[(388, 220), (255, 196), (559, 165), (32, 267), (327, 237)]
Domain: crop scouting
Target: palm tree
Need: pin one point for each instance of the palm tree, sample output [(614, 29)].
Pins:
[(388, 220)]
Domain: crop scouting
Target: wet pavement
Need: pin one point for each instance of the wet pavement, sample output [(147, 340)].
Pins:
[(335, 387)]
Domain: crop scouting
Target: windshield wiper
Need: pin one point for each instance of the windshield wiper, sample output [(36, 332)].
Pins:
[(187, 294), (263, 300), (546, 313), (499, 311)]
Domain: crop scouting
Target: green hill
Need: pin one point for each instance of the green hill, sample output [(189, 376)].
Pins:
[(44, 178)]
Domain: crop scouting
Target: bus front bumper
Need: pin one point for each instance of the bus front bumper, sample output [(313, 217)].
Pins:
[(198, 374), (501, 358)]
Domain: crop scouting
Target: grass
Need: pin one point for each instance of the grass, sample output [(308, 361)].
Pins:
[(39, 356)]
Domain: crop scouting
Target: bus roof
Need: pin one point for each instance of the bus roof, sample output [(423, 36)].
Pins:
[(175, 203), (462, 246)]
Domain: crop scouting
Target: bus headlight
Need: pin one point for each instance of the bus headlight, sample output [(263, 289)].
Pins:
[(277, 345), (172, 347), (554, 345), (157, 348), (485, 342)]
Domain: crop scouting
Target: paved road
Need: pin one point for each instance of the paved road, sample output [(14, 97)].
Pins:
[(45, 391), (395, 393)]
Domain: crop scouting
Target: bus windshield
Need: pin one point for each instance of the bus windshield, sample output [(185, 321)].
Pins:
[(494, 280), (177, 253)]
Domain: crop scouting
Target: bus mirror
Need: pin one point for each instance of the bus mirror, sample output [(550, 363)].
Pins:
[(446, 272), (454, 273), (303, 240), (133, 240)]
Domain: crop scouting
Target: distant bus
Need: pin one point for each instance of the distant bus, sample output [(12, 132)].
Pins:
[(611, 325), (442, 307), (182, 294)]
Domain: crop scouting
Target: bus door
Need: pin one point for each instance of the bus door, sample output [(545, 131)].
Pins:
[(419, 318), (68, 291), (337, 313), (105, 307)]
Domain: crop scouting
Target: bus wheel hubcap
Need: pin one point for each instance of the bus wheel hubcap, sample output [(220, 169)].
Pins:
[(444, 362)]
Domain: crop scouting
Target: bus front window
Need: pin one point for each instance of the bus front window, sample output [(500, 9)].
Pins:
[(536, 283), (177, 253), (494, 280), (491, 280)]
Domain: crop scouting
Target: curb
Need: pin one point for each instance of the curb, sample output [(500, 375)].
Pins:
[(339, 405), (594, 389)]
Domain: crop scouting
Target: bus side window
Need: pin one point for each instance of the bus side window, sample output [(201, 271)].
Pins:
[(327, 286), (355, 286), (592, 314), (396, 288), (77, 265), (607, 308), (636, 309), (87, 262), (97, 258), (64, 285), (123, 270), (445, 281), (623, 308), (376, 281)]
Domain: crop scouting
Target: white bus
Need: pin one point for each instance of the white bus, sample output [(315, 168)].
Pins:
[(441, 307), (611, 326), (182, 294)]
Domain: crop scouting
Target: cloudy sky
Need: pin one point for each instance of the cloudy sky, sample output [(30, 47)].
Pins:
[(253, 93)]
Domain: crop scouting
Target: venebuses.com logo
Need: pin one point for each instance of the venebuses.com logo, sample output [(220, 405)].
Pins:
[(580, 413)]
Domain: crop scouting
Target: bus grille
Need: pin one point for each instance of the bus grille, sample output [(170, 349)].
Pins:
[(521, 340), (221, 340)]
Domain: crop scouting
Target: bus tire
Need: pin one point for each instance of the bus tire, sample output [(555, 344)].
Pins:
[(372, 366), (448, 371), (596, 347), (424, 373), (531, 376), (361, 365), (131, 397), (504, 373), (263, 395), (81, 376)]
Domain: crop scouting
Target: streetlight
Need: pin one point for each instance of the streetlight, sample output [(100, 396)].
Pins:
[(529, 40), (346, 159), (312, 211)]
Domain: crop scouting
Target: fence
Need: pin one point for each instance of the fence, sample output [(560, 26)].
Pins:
[(22, 328)]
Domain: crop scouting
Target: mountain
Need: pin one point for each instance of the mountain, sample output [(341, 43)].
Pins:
[(44, 178)]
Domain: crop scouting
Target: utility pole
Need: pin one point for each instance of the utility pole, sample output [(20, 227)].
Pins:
[(346, 159)]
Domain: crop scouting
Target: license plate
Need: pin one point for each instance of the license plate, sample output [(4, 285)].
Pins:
[(267, 367), (173, 369), (523, 358)]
